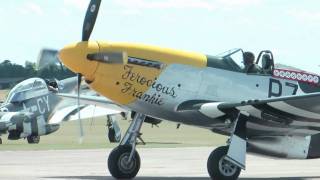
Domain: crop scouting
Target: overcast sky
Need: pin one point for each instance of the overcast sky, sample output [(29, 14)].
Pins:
[(290, 28)]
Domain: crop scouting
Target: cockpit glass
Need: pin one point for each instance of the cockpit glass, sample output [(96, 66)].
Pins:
[(233, 57), (38, 84), (31, 85), (237, 58), (22, 87), (229, 52)]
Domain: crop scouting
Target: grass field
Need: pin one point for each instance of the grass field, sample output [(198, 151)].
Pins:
[(67, 137), (166, 135)]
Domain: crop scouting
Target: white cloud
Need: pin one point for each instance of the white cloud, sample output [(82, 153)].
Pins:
[(184, 4), (78, 4), (131, 12), (238, 3), (35, 8), (2, 12), (65, 11), (70, 6), (31, 8), (166, 4), (305, 16)]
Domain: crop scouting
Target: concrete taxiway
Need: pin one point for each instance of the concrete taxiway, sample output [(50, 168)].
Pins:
[(158, 163)]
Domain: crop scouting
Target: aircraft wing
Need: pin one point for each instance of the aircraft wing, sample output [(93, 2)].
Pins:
[(70, 113), (95, 100), (305, 106), (8, 119), (93, 111), (5, 121)]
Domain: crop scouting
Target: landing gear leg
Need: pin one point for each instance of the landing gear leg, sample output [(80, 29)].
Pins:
[(114, 133), (124, 160), (33, 139), (226, 162)]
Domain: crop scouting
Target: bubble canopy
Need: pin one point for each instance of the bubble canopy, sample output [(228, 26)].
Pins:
[(27, 89)]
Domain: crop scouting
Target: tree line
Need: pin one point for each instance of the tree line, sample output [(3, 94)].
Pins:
[(12, 70)]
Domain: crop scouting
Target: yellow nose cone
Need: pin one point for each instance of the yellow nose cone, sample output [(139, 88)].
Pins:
[(74, 56)]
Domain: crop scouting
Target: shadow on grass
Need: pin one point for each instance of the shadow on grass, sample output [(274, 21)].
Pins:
[(176, 178)]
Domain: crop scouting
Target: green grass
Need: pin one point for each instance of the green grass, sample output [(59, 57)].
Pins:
[(95, 137)]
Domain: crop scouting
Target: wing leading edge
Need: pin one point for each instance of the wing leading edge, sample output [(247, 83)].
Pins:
[(286, 105), (95, 100)]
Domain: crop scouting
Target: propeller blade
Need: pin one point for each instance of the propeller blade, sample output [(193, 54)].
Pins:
[(78, 103), (90, 19)]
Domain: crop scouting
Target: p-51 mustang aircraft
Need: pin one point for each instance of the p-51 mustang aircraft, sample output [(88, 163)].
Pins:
[(268, 111), (33, 109)]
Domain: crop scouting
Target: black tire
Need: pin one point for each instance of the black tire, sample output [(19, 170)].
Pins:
[(117, 166), (215, 166), (32, 139), (0, 140), (112, 135)]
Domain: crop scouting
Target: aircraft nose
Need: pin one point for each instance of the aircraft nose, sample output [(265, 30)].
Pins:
[(74, 56)]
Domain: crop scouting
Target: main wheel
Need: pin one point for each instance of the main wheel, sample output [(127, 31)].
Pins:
[(118, 164), (112, 136), (0, 140), (221, 169), (32, 139)]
